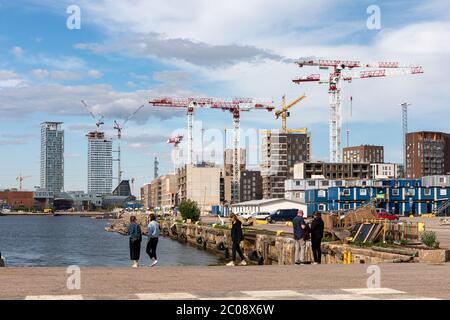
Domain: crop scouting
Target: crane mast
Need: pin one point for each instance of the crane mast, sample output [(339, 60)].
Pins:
[(334, 80)]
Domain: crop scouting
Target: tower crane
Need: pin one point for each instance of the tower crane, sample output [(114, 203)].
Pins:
[(119, 128), (235, 106), (21, 178), (284, 111), (342, 70), (98, 119), (175, 141)]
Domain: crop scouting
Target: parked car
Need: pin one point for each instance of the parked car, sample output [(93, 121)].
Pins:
[(262, 215), (247, 216), (282, 215), (383, 214)]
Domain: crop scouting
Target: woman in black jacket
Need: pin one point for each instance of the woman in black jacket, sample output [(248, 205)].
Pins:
[(316, 237), (236, 236)]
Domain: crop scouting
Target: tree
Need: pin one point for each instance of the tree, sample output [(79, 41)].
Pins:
[(189, 210)]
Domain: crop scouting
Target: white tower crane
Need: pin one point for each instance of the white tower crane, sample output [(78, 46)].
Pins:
[(119, 128), (334, 80), (98, 119)]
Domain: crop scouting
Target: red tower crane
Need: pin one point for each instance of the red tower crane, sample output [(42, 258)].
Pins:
[(338, 74), (235, 106)]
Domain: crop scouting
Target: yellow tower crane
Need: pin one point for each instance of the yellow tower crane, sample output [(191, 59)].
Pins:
[(284, 111)]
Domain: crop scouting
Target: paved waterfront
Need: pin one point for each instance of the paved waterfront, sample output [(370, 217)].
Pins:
[(400, 281)]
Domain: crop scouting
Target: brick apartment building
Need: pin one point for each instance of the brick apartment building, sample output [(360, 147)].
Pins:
[(427, 153), (364, 153)]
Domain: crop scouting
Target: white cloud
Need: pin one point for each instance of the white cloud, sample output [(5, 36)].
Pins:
[(10, 79), (65, 75), (64, 100), (95, 74), (8, 74), (40, 73), (17, 51), (209, 21), (153, 45)]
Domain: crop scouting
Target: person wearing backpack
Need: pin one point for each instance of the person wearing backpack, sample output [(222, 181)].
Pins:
[(135, 233), (300, 233)]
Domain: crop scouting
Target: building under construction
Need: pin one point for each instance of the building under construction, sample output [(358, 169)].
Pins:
[(200, 183), (280, 151)]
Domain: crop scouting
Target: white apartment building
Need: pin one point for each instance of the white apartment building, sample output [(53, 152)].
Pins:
[(100, 163)]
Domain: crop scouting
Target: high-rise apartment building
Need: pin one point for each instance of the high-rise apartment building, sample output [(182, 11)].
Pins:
[(280, 151), (52, 157), (100, 163), (364, 153), (427, 154), (251, 185)]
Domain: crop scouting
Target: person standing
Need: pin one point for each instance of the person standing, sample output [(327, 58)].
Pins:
[(135, 233), (152, 243), (236, 237), (299, 233), (317, 227)]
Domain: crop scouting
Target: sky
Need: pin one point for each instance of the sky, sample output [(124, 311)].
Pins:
[(127, 52)]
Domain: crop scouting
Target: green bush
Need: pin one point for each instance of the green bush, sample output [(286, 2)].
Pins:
[(189, 210), (429, 239)]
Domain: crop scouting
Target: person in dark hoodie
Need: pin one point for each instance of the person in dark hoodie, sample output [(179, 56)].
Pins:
[(135, 233), (236, 236), (316, 237)]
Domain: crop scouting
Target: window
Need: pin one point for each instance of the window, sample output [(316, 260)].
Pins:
[(322, 207), (312, 183), (321, 193), (363, 192), (443, 192), (346, 206), (427, 192), (411, 192), (346, 192), (395, 192)]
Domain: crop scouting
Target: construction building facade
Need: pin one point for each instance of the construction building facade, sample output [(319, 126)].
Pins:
[(326, 170), (52, 157), (364, 153), (146, 195), (169, 189), (155, 193), (200, 183), (280, 151), (427, 153), (100, 163)]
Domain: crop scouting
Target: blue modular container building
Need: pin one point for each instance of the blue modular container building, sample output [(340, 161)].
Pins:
[(402, 197)]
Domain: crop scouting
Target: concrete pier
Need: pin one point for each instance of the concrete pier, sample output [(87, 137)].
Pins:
[(398, 281)]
